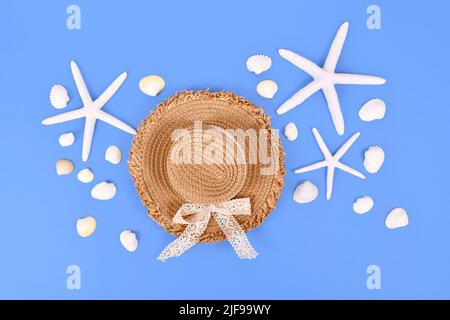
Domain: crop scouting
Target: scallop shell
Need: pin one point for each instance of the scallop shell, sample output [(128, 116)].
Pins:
[(363, 205), (59, 97), (128, 240), (374, 109), (259, 63), (397, 218), (305, 192), (373, 159), (152, 85), (104, 191), (267, 88), (290, 131)]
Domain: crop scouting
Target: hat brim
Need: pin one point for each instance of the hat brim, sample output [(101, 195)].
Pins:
[(151, 145)]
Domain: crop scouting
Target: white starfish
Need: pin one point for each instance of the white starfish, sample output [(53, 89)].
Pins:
[(325, 79), (91, 110), (332, 161)]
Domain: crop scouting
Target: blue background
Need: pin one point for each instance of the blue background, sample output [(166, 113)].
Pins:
[(317, 250)]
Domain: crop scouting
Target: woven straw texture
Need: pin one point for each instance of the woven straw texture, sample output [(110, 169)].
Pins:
[(164, 187)]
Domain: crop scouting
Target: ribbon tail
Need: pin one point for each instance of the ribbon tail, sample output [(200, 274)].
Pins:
[(188, 239), (236, 236)]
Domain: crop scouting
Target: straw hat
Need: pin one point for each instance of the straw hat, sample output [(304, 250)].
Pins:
[(164, 185)]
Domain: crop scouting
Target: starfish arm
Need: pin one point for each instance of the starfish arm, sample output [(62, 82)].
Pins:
[(336, 48), (334, 108), (350, 170), (110, 91), (342, 150), (312, 167), (305, 64), (299, 97), (323, 147), (79, 82), (106, 117), (63, 117), (330, 177), (87, 137), (349, 78)]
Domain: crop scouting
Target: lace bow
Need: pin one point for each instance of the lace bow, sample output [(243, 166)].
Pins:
[(196, 217)]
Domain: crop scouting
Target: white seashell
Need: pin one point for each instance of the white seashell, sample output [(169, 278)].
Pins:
[(113, 154), (66, 139), (104, 191), (59, 97), (64, 167), (267, 88), (152, 85), (290, 131), (259, 63), (86, 226), (374, 109), (363, 205), (129, 240), (397, 218), (373, 159), (305, 192), (85, 175)]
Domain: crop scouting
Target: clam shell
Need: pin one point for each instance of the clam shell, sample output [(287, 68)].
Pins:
[(373, 159), (59, 97), (290, 131), (363, 205), (85, 175), (104, 191), (259, 63), (397, 218), (66, 139), (64, 167), (113, 154), (86, 226), (305, 192), (152, 85), (267, 88), (129, 240), (374, 109)]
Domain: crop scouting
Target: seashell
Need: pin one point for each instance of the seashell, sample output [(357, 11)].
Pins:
[(305, 192), (85, 175), (363, 205), (152, 85), (66, 139), (397, 218), (267, 88), (86, 226), (259, 63), (129, 240), (64, 167), (104, 191), (290, 131), (59, 97), (374, 109), (113, 154), (373, 159)]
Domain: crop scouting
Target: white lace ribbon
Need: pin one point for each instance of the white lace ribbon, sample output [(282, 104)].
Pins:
[(197, 216)]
